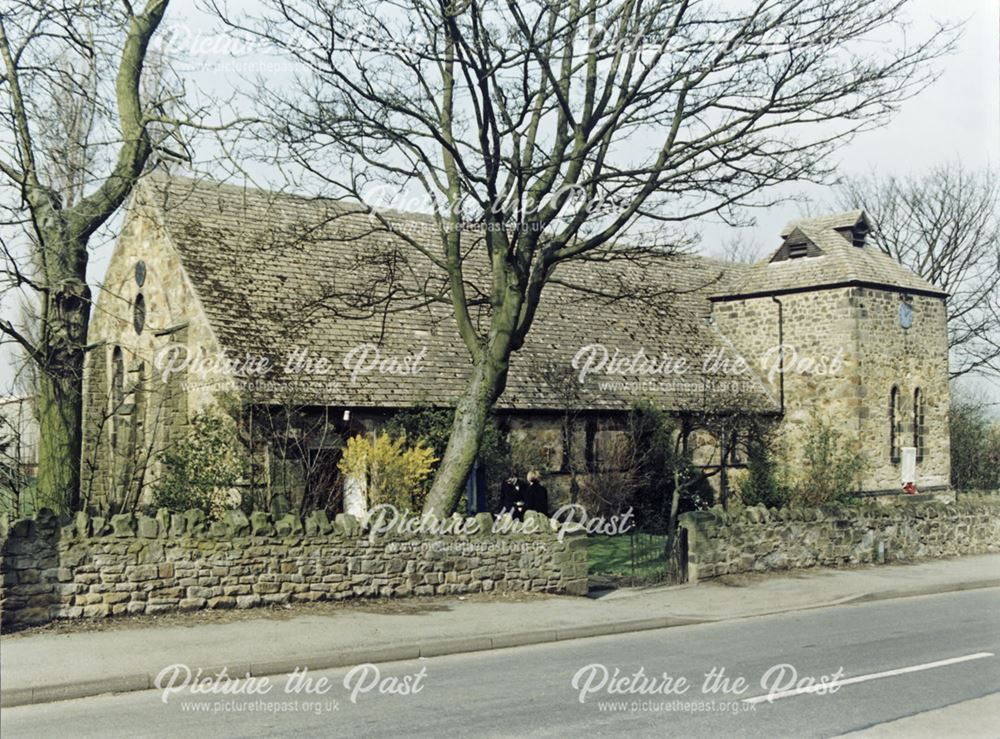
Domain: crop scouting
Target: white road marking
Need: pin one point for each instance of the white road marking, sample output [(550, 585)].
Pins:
[(865, 678)]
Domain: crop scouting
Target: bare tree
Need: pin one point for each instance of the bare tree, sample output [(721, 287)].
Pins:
[(945, 226), (539, 132), (742, 250), (293, 449), (77, 131), (974, 443), (17, 457)]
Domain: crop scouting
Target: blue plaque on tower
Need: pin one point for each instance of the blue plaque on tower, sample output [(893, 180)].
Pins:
[(905, 315)]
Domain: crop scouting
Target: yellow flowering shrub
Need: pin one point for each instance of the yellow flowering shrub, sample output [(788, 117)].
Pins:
[(393, 471)]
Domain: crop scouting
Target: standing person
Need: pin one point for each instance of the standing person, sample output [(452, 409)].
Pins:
[(537, 496), (512, 497)]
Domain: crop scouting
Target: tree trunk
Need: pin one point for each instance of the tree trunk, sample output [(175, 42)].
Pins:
[(65, 318), (60, 422), (471, 414)]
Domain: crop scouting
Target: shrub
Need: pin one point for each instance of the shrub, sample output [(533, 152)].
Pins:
[(831, 469), (640, 470), (609, 488), (203, 469), (975, 447), (394, 472), (432, 427), (763, 484)]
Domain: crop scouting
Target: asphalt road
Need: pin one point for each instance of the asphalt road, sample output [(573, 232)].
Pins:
[(937, 650)]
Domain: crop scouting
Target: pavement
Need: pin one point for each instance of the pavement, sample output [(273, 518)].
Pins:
[(44, 667), (976, 719)]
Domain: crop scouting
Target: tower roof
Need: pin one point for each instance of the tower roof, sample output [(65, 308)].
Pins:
[(835, 221), (826, 251)]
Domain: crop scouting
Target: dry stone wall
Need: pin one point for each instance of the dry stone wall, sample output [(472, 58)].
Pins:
[(93, 567), (758, 539)]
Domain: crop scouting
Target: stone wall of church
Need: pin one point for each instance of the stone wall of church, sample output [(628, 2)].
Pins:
[(124, 431), (820, 371), (844, 351), (910, 359)]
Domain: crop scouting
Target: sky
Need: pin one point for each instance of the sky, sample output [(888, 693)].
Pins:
[(955, 119)]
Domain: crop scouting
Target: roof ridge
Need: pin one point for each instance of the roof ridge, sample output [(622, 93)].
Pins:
[(348, 205), (841, 219)]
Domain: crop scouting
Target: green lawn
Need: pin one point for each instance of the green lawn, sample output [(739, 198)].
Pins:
[(613, 555)]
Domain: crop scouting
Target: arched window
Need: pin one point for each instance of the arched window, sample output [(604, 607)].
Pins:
[(894, 424), (918, 423), (117, 379), (138, 313), (117, 392)]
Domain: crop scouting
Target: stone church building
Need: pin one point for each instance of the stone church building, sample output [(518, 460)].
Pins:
[(331, 319)]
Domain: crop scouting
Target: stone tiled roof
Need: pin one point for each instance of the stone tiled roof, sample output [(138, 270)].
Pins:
[(834, 261), (279, 273), (830, 221)]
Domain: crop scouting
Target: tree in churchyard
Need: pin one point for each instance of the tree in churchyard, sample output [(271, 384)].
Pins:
[(545, 133), (944, 224), (80, 122)]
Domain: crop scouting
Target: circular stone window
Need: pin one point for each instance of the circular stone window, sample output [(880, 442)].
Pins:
[(140, 273), (139, 313)]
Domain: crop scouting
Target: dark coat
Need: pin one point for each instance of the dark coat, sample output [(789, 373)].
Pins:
[(537, 498), (513, 497)]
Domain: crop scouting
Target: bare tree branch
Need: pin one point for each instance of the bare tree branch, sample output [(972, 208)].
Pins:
[(538, 131), (944, 226)]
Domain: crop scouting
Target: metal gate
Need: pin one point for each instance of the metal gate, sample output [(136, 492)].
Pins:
[(637, 558)]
